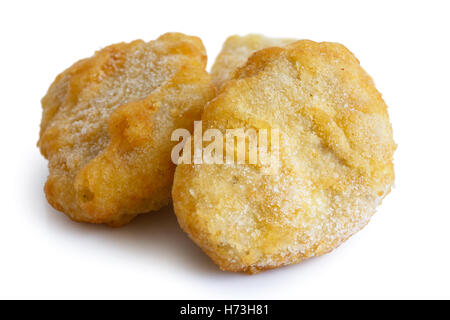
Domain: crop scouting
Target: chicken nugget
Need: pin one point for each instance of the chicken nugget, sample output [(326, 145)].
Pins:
[(335, 160), (235, 52), (107, 122)]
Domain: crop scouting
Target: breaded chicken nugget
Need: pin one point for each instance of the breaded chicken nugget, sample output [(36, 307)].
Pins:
[(235, 52), (107, 122), (335, 160)]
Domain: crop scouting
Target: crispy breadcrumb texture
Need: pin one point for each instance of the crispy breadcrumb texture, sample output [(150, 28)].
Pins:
[(107, 122), (235, 52), (335, 162)]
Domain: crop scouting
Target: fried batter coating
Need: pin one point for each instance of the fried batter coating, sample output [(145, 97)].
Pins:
[(235, 52), (107, 122), (335, 162)]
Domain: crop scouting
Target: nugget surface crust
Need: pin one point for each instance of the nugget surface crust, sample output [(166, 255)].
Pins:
[(335, 162), (107, 121), (235, 52)]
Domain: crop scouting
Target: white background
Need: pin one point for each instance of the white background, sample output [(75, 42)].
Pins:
[(402, 253)]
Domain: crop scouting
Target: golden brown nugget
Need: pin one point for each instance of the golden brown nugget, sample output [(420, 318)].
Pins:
[(107, 122), (335, 160), (235, 52)]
